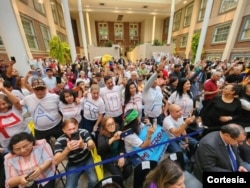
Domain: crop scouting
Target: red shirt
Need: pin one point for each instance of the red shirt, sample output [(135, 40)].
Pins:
[(210, 85)]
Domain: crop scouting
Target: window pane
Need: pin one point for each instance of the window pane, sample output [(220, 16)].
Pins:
[(221, 33), (202, 10), (60, 15), (246, 30), (39, 7), (177, 20), (103, 31), (30, 33), (188, 15), (228, 5), (133, 31), (46, 36), (118, 28), (54, 12), (184, 41)]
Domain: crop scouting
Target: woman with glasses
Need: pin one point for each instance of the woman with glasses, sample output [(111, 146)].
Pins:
[(110, 145), (29, 160)]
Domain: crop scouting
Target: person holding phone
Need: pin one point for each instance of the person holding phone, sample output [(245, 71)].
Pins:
[(74, 145), (29, 160), (110, 145), (132, 122)]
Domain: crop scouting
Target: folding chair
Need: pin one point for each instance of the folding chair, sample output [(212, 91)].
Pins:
[(178, 158), (110, 179), (141, 171)]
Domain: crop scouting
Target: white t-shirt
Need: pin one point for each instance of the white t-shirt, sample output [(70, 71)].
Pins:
[(92, 108), (152, 99), (112, 100), (135, 102), (71, 111), (11, 123), (44, 111), (185, 102), (50, 82), (169, 123), (131, 141)]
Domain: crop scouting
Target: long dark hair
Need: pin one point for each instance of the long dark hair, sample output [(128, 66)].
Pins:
[(179, 88), (127, 94)]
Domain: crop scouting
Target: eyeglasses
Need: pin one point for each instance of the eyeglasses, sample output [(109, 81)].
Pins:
[(110, 125), (25, 147)]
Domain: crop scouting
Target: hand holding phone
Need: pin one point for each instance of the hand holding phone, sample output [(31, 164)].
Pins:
[(75, 136), (27, 177)]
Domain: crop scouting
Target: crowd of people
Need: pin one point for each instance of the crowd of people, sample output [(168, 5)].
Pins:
[(105, 105)]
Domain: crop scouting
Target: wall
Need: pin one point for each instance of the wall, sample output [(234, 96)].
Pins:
[(146, 51), (100, 51)]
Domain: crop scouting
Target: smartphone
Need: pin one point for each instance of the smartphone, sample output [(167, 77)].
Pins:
[(75, 136), (126, 133), (13, 59), (26, 177)]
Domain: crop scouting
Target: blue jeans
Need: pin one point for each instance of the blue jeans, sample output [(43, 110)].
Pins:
[(72, 179), (87, 124), (175, 146)]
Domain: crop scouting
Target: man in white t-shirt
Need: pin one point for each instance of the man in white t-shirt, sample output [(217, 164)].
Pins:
[(43, 107), (50, 80), (175, 126), (111, 95)]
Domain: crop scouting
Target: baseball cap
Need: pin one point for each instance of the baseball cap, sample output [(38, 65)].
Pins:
[(177, 65), (130, 116), (38, 83)]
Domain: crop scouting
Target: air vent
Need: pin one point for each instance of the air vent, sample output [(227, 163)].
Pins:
[(145, 6), (101, 4), (119, 17)]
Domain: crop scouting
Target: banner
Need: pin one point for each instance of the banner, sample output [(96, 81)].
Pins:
[(158, 136)]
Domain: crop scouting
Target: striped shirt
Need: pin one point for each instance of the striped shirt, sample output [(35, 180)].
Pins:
[(78, 154)]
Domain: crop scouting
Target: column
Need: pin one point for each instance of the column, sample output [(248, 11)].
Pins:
[(170, 27), (89, 31), (196, 9), (204, 30), (85, 46), (153, 29), (13, 36), (69, 29), (234, 29), (52, 25)]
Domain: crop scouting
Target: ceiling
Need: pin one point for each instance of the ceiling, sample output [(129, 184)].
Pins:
[(131, 10)]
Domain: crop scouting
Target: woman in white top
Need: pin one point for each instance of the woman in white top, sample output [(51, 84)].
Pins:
[(183, 97), (69, 106), (83, 77), (132, 98), (93, 109)]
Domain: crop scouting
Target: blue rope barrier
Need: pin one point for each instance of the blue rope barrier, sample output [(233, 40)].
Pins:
[(115, 158)]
